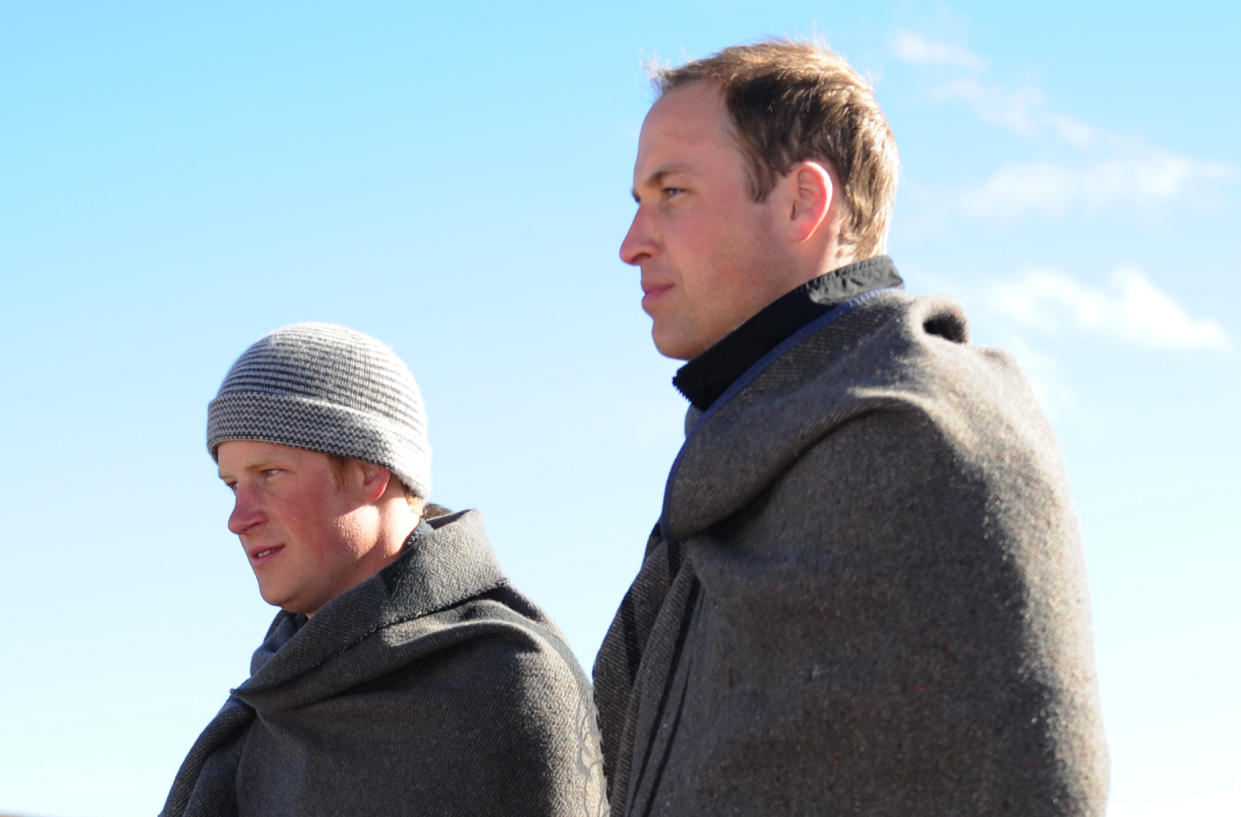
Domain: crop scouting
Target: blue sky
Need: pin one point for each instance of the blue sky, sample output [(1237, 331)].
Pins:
[(174, 182)]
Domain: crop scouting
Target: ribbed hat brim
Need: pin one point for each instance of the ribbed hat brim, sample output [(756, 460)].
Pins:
[(304, 422)]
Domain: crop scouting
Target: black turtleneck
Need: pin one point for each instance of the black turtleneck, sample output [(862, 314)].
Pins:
[(709, 375)]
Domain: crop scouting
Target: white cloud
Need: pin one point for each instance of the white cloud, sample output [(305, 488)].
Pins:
[(921, 50), (1012, 109), (1045, 375), (1110, 169), (1071, 130), (1131, 309), (1050, 189), (1123, 171), (1022, 110)]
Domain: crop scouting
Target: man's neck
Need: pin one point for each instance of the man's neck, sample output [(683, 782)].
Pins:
[(705, 378)]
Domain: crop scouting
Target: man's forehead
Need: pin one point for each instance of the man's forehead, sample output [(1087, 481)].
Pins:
[(688, 110), (677, 127), (250, 453)]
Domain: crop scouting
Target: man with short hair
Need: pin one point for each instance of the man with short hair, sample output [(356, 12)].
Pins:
[(404, 674), (865, 594)]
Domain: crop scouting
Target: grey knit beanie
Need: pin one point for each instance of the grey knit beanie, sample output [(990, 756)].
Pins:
[(326, 388)]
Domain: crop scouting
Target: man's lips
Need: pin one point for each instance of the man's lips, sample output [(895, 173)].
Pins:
[(652, 290), (262, 554)]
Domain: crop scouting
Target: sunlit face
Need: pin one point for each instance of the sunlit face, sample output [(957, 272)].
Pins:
[(309, 536), (711, 257)]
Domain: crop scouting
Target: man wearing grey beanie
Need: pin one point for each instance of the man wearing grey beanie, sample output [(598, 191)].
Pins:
[(404, 674)]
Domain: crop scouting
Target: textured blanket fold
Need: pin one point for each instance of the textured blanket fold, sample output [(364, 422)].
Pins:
[(865, 596), (431, 688)]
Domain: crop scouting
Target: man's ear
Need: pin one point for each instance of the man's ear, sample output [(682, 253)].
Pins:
[(375, 479), (810, 190)]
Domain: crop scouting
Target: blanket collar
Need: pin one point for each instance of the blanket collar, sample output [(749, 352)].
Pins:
[(706, 377)]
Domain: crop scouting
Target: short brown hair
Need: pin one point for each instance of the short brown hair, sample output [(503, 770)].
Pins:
[(792, 102)]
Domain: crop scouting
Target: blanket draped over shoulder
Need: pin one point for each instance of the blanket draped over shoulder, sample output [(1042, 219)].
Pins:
[(865, 595), (432, 688)]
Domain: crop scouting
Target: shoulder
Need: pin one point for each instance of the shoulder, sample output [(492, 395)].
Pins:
[(505, 681), (499, 632), (894, 368)]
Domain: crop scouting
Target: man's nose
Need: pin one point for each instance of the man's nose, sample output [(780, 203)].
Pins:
[(246, 513), (639, 243)]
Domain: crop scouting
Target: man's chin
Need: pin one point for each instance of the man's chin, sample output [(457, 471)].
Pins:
[(671, 346)]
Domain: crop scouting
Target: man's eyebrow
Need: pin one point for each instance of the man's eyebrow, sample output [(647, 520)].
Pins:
[(656, 179), (257, 465)]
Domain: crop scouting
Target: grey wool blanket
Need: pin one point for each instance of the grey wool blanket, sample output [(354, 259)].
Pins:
[(433, 688), (865, 596)]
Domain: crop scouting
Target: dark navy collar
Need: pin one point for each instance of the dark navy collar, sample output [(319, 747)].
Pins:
[(703, 379)]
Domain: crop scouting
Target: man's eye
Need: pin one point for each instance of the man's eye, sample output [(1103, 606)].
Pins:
[(270, 472), (669, 192)]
